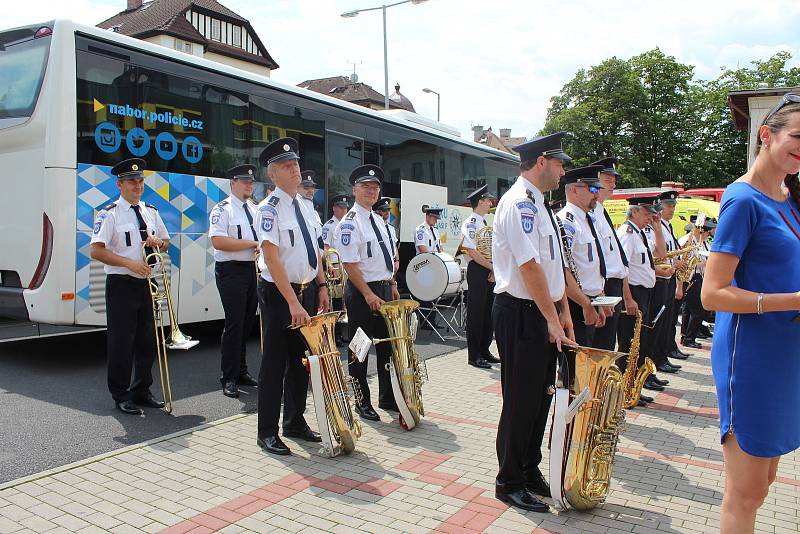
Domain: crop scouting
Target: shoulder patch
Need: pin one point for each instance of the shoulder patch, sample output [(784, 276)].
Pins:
[(526, 204), (273, 201), (570, 217), (473, 219), (350, 215), (630, 229), (223, 203), (110, 206), (331, 220), (150, 206)]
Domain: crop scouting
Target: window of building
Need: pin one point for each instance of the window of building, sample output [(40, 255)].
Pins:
[(183, 46), (237, 36), (215, 29)]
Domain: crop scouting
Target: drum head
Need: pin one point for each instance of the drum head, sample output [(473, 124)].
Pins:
[(427, 276)]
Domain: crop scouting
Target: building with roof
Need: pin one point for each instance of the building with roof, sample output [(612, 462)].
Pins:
[(204, 28), (503, 142), (749, 109), (351, 90)]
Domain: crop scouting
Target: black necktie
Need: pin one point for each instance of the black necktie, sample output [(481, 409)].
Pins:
[(600, 255), (675, 243), (143, 231), (649, 254), (310, 250), (433, 238), (249, 220), (378, 235), (622, 255), (391, 241)]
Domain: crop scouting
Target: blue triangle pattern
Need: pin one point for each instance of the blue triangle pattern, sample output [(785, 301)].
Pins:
[(174, 255)]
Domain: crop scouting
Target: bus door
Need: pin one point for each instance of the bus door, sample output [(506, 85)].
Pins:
[(344, 153)]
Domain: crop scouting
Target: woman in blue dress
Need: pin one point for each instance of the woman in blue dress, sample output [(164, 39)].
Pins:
[(752, 280)]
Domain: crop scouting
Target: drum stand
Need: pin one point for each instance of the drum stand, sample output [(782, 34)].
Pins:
[(435, 310)]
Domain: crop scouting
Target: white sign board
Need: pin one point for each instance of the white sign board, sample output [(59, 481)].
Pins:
[(414, 195)]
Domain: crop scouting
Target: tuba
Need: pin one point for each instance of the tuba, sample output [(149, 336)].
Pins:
[(583, 445), (335, 274), (160, 293), (483, 242), (634, 377), (406, 370), (332, 402)]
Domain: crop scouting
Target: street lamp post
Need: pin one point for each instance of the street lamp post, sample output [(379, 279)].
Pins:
[(350, 14), (438, 101)]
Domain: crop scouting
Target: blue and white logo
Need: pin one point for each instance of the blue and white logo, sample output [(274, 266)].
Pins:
[(166, 146), (527, 222), (266, 224), (215, 218), (97, 226), (345, 238), (138, 142), (107, 137), (420, 235), (192, 149)]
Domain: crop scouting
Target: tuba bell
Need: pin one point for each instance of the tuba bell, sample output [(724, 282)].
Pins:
[(160, 294), (406, 370), (585, 431), (332, 402)]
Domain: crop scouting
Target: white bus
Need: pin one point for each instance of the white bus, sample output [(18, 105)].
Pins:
[(74, 100)]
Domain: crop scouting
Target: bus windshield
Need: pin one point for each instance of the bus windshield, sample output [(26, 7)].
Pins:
[(23, 59)]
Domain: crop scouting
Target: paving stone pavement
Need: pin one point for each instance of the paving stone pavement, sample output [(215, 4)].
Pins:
[(436, 478)]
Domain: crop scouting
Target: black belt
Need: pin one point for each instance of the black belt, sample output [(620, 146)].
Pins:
[(510, 300), (237, 263), (128, 278), (379, 283), (298, 288)]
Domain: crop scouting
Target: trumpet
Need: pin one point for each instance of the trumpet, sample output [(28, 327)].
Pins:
[(161, 293)]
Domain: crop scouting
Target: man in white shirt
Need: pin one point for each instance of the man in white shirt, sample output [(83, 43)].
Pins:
[(234, 239), (531, 318), (292, 288), (426, 235), (383, 208), (123, 231)]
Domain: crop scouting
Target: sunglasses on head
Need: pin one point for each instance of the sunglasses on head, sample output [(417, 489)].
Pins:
[(788, 98)]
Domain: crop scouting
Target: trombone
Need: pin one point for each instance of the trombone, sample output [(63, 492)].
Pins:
[(159, 294), (260, 311)]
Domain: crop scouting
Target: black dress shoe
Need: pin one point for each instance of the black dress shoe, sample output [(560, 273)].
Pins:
[(306, 434), (659, 381), (538, 485), (652, 385), (691, 343), (273, 445), (645, 398), (247, 380), (491, 358), (666, 368), (679, 351), (480, 363), (675, 365), (389, 407), (130, 407), (522, 499), (678, 355), (230, 389), (367, 412), (149, 401)]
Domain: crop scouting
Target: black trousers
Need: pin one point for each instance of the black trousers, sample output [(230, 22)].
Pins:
[(236, 282), (528, 370), (606, 336), (480, 298), (131, 337), (642, 296), (584, 333), (282, 373), (359, 315), (694, 313), (665, 327), (658, 298)]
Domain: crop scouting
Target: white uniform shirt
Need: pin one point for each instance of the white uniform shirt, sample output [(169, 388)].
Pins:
[(278, 224), (640, 273), (581, 242), (469, 229), (523, 231), (117, 227), (228, 219), (327, 230), (357, 243), (427, 236), (605, 232)]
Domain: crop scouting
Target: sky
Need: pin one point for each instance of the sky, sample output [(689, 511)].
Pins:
[(494, 63)]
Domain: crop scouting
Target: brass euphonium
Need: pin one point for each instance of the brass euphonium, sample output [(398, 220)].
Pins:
[(406, 370), (583, 448), (483, 242), (161, 293), (634, 377), (332, 402)]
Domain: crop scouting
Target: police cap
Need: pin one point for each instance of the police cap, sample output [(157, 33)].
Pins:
[(129, 169), (435, 212), (481, 192), (382, 204), (669, 197), (241, 172), (366, 173), (589, 175), (308, 179), (609, 165), (548, 146), (648, 202), (341, 200), (279, 150)]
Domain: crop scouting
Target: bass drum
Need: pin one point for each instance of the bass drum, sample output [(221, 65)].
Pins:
[(431, 275)]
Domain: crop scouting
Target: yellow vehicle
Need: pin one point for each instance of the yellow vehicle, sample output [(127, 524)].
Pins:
[(687, 207)]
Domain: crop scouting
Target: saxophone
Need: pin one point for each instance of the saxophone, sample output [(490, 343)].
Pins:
[(633, 379), (567, 250), (582, 450), (686, 254)]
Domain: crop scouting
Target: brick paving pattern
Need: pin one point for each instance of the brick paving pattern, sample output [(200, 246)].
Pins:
[(439, 477)]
